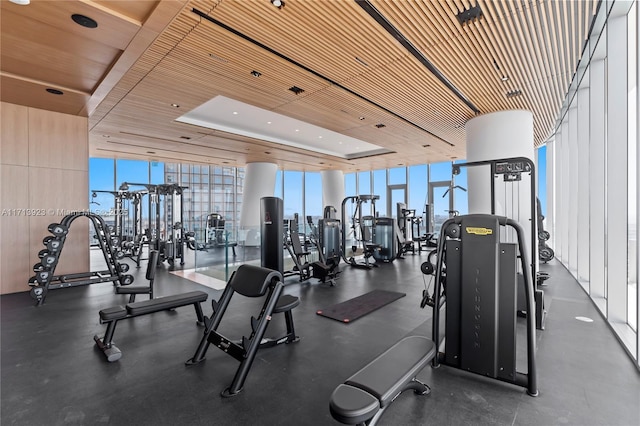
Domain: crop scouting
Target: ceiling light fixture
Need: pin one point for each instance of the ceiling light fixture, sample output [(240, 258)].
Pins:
[(175, 105), (296, 90), (21, 2), (256, 73), (514, 93), (85, 21), (55, 91), (278, 3), (504, 78), (235, 112), (362, 62)]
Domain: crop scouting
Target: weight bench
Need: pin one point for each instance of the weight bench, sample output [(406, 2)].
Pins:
[(112, 315), (363, 397)]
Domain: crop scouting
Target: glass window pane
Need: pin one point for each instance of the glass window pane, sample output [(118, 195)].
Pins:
[(364, 182), (380, 189), (293, 194), (397, 175), (312, 196), (349, 184), (157, 173)]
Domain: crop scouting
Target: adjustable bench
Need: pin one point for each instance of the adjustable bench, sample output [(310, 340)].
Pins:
[(363, 397), (112, 315)]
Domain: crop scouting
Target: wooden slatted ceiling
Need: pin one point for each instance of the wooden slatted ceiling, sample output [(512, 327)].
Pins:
[(535, 43)]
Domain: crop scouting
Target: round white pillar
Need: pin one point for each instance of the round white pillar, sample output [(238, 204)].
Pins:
[(259, 181), (503, 134), (332, 188)]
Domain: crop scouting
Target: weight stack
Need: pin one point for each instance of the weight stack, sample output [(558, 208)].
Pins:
[(271, 233)]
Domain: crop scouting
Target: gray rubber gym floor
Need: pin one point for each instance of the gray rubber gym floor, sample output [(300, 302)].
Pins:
[(52, 374)]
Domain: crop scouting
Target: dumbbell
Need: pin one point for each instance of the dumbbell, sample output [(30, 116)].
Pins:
[(54, 245), (42, 276), (126, 280), (58, 230), (124, 268), (37, 293)]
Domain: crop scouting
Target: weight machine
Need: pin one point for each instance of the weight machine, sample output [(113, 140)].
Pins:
[(514, 204), (362, 229), (165, 201), (127, 233)]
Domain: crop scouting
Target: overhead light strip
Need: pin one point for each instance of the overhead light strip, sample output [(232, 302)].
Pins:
[(380, 19), (317, 74)]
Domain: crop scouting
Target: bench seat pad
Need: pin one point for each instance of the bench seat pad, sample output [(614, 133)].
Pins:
[(113, 313), (286, 302), (167, 302), (352, 406), (389, 373), (130, 289)]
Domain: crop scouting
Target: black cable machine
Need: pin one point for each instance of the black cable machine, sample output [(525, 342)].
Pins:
[(165, 201), (511, 171), (362, 230), (476, 282), (127, 232), (326, 238)]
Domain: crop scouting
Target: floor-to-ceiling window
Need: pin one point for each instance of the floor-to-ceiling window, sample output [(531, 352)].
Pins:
[(595, 170)]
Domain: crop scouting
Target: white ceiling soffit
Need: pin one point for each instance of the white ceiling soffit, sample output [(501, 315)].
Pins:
[(231, 116)]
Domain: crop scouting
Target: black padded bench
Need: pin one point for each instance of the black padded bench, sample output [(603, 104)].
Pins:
[(363, 397), (112, 315)]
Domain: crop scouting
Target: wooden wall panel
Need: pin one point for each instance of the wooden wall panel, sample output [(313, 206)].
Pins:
[(16, 259), (53, 181), (65, 191), (14, 134), (58, 141)]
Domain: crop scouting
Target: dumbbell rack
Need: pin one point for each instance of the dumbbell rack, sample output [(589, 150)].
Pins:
[(44, 278)]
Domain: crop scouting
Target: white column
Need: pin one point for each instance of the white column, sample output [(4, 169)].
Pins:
[(332, 189), (597, 150), (259, 181), (616, 186), (503, 134)]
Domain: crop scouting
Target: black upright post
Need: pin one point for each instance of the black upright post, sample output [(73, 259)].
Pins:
[(271, 233)]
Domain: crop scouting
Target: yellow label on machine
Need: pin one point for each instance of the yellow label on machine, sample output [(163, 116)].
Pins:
[(479, 231)]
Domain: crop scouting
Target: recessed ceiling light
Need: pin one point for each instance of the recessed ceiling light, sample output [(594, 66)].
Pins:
[(235, 112), (297, 130), (175, 105), (256, 73), (361, 118), (278, 3), (380, 125), (55, 91), (21, 2), (319, 137), (362, 62), (513, 93), (268, 122), (218, 58), (296, 90), (85, 21), (504, 78)]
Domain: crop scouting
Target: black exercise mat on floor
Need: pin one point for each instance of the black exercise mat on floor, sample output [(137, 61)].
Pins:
[(360, 306)]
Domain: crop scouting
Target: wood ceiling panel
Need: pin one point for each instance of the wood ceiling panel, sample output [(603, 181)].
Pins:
[(33, 94), (135, 10), (310, 44)]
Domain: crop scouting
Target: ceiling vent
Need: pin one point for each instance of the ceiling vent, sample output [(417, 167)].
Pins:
[(296, 90), (514, 93), (469, 15), (380, 125)]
